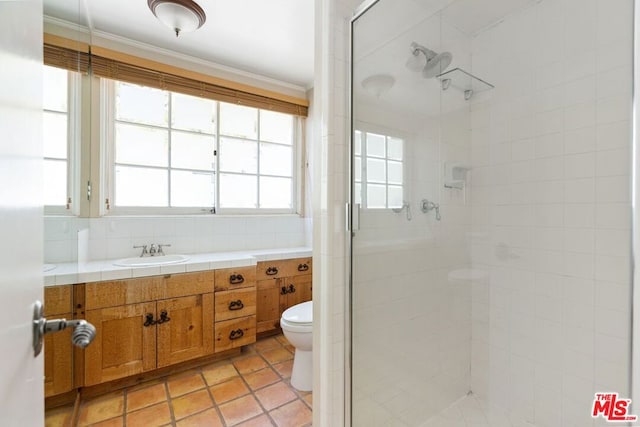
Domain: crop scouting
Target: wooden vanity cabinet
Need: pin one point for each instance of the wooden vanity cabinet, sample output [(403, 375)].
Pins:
[(281, 284), (147, 323), (58, 350)]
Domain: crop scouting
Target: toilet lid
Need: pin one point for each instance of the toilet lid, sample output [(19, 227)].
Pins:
[(299, 313)]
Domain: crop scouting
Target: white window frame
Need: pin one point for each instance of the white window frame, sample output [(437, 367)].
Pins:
[(108, 175), (74, 125), (365, 129)]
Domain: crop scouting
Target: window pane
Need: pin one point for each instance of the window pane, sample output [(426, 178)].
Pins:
[(276, 160), (358, 193), (357, 143), (394, 147), (375, 145), (54, 130), (141, 104), (395, 172), (192, 151), (55, 182), (192, 189), (238, 156), (54, 94), (275, 193), (376, 171), (395, 197), (376, 196), (276, 127), (193, 113), (357, 168), (141, 145), (141, 187), (239, 121), (238, 191)]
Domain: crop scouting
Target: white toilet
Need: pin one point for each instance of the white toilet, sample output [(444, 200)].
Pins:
[(297, 325)]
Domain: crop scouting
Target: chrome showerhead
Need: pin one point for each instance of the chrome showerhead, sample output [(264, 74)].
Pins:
[(436, 65), (427, 61)]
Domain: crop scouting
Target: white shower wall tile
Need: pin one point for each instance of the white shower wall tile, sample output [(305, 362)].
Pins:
[(580, 245)]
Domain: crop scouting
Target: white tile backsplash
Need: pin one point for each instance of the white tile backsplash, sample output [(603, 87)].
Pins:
[(114, 237)]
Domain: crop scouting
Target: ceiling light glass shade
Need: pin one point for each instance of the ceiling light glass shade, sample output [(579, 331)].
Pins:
[(179, 15), (378, 84)]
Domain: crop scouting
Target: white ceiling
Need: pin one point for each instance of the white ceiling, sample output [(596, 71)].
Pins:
[(273, 38)]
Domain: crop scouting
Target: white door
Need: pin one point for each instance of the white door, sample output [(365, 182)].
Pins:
[(21, 375)]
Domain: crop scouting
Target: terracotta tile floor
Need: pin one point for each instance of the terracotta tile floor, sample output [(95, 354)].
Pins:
[(249, 390)]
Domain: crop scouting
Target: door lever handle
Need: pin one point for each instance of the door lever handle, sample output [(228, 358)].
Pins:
[(83, 332)]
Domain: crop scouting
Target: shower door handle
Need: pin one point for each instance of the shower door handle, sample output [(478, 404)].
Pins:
[(353, 216)]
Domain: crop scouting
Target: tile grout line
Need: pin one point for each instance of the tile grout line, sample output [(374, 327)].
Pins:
[(169, 401), (215, 405)]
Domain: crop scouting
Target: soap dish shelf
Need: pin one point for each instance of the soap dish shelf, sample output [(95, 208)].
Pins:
[(463, 81)]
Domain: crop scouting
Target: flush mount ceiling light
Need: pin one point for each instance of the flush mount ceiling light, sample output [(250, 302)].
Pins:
[(378, 84), (179, 15)]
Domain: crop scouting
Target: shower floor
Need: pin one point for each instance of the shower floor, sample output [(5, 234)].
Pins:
[(470, 411)]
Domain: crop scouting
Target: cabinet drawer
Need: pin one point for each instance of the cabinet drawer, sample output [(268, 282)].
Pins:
[(283, 268), (57, 300), (235, 278), (234, 304), (235, 333), (182, 285), (122, 292)]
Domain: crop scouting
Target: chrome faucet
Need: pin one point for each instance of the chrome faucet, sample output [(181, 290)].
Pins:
[(160, 246), (144, 250), (153, 250)]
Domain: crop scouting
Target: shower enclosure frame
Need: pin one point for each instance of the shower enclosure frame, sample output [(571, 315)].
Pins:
[(352, 213)]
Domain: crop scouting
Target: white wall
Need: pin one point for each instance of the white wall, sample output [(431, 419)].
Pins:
[(551, 158)]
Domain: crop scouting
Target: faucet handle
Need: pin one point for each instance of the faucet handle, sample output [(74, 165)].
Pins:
[(160, 246), (144, 249)]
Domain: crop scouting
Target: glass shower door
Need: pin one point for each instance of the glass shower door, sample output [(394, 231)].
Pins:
[(410, 293)]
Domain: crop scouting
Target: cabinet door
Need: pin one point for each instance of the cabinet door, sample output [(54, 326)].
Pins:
[(123, 345), (58, 371), (296, 290), (188, 331), (268, 305)]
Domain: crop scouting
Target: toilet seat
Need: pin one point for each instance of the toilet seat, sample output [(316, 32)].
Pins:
[(296, 327)]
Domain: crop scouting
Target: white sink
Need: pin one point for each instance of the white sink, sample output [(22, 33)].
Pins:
[(48, 267), (151, 261)]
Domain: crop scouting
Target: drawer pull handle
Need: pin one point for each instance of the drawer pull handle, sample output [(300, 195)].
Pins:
[(236, 305), (164, 317), (292, 288), (149, 320), (272, 271), (236, 279), (236, 334), (303, 267), (283, 290)]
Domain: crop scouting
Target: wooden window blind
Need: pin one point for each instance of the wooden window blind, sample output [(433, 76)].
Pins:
[(123, 67), (64, 53)]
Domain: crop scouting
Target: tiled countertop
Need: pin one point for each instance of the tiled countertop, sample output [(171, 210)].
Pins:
[(96, 271)]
